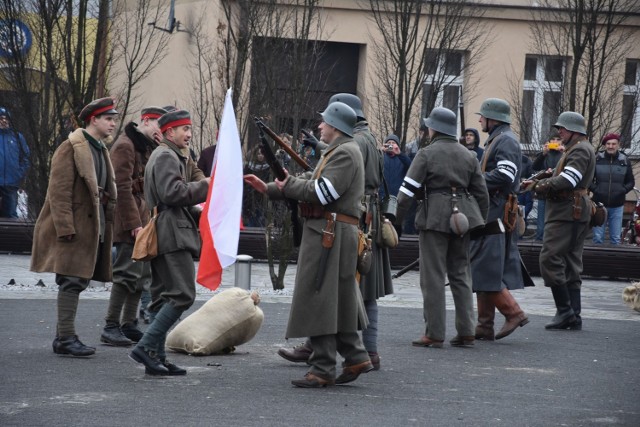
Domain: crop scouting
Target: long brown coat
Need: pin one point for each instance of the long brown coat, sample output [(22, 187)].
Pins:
[(72, 207), (129, 156), (337, 307)]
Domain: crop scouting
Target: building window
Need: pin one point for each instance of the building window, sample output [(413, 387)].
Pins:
[(443, 82), (631, 107), (541, 97)]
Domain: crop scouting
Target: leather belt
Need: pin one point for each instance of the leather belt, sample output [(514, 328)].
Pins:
[(348, 219)]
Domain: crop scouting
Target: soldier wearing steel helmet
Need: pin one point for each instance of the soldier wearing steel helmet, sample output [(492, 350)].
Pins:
[(567, 219), (377, 283), (496, 266), (443, 176), (326, 305)]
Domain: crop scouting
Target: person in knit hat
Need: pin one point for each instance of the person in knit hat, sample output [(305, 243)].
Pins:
[(129, 155), (168, 188), (612, 181), (73, 233)]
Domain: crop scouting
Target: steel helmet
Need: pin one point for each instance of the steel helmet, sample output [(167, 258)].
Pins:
[(340, 116), (496, 109), (442, 120), (572, 121), (351, 100)]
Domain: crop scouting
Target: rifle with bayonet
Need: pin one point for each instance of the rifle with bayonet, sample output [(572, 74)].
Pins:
[(265, 129), (279, 173), (462, 126)]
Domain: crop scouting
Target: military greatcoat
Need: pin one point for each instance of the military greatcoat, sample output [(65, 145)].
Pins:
[(563, 244), (72, 206), (337, 306), (377, 283), (129, 155), (495, 259)]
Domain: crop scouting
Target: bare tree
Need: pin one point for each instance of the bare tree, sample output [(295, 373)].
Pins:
[(419, 40), (140, 48), (593, 38), (265, 49)]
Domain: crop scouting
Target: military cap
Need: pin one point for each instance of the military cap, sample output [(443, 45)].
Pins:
[(174, 119), (152, 113), (97, 107)]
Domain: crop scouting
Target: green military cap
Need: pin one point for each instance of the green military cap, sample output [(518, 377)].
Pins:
[(98, 107), (174, 119), (152, 113)]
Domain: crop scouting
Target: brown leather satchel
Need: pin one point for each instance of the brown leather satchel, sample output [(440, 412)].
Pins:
[(510, 218), (146, 245)]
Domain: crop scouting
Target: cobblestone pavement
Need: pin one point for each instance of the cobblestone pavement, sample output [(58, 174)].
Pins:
[(602, 299)]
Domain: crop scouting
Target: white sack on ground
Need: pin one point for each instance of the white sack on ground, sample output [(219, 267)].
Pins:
[(228, 319)]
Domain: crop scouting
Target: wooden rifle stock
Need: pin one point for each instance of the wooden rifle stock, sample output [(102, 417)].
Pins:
[(299, 160), (280, 174)]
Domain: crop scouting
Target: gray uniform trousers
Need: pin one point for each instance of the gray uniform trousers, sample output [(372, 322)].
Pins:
[(560, 258), (174, 281), (323, 358), (444, 255), (134, 275)]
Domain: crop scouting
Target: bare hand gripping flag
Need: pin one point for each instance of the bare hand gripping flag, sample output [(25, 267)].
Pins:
[(221, 217)]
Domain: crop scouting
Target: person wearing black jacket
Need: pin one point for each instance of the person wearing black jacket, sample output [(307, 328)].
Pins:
[(612, 181)]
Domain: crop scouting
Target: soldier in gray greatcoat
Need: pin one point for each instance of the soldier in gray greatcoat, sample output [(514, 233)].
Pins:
[(496, 266), (567, 217), (168, 187), (72, 236), (377, 282), (445, 175), (327, 305)]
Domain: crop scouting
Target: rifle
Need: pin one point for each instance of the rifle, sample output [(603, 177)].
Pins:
[(265, 129), (279, 173), (535, 177)]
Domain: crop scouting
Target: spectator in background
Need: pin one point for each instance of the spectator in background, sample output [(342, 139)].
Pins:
[(612, 181), (205, 162), (547, 159), (14, 163), (283, 157), (396, 165), (472, 142), (253, 202), (526, 199), (412, 147)]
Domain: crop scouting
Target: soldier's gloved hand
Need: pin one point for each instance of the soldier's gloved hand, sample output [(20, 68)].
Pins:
[(309, 139)]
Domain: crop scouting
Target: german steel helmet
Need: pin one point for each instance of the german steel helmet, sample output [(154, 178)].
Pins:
[(571, 121), (351, 100), (340, 116), (442, 120), (496, 109)]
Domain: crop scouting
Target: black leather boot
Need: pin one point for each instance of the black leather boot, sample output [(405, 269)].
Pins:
[(131, 331), (152, 365), (564, 313), (71, 346), (112, 335), (576, 305)]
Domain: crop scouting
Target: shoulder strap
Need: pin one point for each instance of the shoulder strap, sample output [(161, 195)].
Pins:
[(327, 154), (563, 159), (488, 150)]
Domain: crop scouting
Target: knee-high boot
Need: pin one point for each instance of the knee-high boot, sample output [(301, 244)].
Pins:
[(576, 305), (564, 313), (514, 316), (486, 316)]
